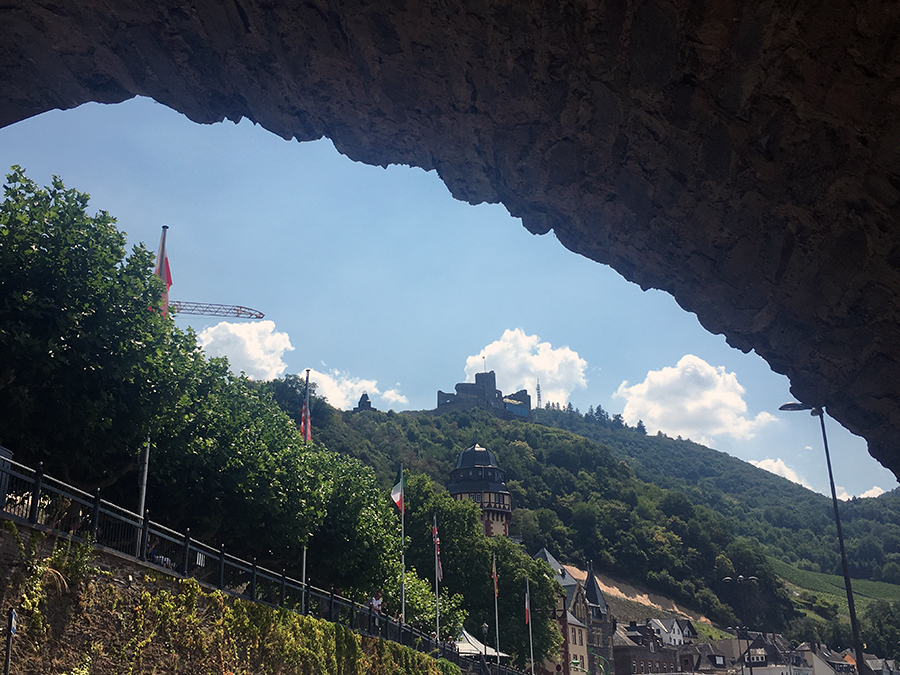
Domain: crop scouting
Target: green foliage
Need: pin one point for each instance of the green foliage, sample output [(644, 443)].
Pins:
[(785, 520), (89, 369), (82, 356), (466, 561), (43, 576), (420, 605), (573, 497), (356, 545), (181, 628)]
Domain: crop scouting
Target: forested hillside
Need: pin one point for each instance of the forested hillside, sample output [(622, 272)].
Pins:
[(787, 520), (571, 495)]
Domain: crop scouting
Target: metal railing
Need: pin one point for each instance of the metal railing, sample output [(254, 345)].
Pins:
[(30, 497)]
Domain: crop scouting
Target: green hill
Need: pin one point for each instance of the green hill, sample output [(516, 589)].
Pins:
[(786, 520)]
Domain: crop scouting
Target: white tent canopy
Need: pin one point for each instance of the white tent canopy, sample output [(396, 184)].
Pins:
[(467, 645)]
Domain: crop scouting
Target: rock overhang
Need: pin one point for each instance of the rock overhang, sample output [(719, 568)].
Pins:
[(741, 156)]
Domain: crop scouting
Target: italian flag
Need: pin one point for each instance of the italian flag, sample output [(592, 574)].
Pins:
[(398, 490)]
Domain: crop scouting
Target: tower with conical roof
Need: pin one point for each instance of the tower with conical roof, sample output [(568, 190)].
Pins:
[(478, 477)]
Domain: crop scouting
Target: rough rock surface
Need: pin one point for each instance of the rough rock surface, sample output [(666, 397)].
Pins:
[(743, 155)]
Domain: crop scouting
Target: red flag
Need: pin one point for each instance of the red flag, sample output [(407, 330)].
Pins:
[(162, 269), (305, 425), (494, 573), (527, 604), (439, 570)]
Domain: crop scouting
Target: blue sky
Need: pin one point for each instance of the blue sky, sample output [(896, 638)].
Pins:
[(379, 281)]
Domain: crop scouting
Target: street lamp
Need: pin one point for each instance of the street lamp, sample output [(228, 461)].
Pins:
[(740, 580), (816, 411), (484, 629), (737, 631)]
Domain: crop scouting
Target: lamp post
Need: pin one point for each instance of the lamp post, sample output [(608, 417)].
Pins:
[(741, 580), (484, 630), (816, 411)]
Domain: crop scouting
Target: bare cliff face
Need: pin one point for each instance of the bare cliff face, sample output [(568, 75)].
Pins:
[(743, 155)]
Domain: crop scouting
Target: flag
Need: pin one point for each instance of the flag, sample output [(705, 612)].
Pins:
[(398, 490), (305, 425), (439, 570), (494, 573), (527, 604), (162, 269)]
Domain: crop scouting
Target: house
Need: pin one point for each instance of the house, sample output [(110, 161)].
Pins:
[(881, 666), (637, 649), (771, 654), (703, 657), (668, 630), (687, 630), (584, 622), (823, 661)]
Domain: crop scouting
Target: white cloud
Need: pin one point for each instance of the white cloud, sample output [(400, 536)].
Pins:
[(842, 493), (521, 360), (341, 389), (779, 468), (874, 491), (694, 400), (394, 396), (254, 348)]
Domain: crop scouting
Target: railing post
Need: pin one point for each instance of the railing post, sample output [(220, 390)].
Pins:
[(145, 536), (95, 517), (253, 580), (331, 606), (36, 495), (187, 552), (221, 567), (281, 596)]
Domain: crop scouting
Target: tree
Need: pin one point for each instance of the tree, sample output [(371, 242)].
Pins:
[(356, 546), (229, 464), (82, 349), (466, 561)]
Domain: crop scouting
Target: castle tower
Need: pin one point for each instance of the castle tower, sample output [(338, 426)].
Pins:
[(478, 477)]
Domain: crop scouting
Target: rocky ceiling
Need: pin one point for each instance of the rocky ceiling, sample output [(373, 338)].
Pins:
[(743, 155)]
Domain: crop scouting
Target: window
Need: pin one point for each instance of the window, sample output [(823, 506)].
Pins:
[(633, 665), (581, 637), (573, 636), (478, 497)]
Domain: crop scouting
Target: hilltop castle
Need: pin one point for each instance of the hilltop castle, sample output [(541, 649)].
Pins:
[(484, 394)]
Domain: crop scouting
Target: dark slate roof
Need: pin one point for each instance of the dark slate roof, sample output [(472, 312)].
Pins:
[(476, 456), (594, 594), (477, 470), (562, 574)]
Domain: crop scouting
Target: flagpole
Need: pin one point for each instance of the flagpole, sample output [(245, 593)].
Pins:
[(437, 582), (402, 547), (305, 421), (530, 638), (305, 593), (496, 615)]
